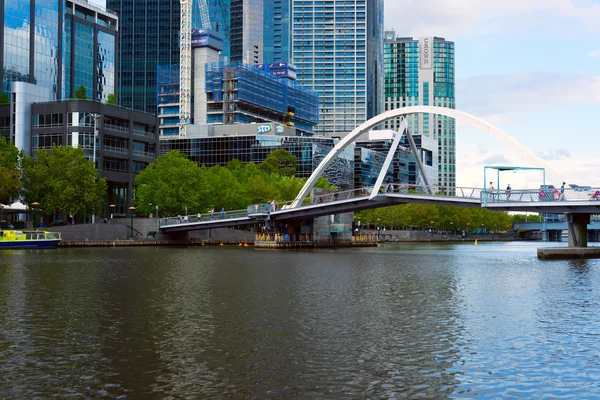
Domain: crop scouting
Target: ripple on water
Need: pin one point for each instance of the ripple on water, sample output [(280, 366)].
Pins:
[(414, 320)]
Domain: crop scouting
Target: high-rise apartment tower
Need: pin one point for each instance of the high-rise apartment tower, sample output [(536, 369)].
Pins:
[(421, 72), (337, 50)]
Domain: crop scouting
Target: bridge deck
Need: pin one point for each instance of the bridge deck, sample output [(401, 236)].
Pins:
[(537, 201)]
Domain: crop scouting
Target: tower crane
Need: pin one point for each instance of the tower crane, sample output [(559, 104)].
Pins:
[(185, 59)]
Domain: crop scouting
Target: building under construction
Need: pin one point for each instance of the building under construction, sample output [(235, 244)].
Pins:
[(241, 93), (233, 93)]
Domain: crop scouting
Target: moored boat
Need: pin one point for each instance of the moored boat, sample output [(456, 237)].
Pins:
[(27, 239)]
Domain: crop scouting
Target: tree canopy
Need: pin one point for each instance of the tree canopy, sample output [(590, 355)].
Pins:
[(280, 162), (62, 180), (80, 93), (111, 99), (10, 174), (421, 216), (173, 183)]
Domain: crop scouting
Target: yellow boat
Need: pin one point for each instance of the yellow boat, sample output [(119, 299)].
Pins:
[(22, 239)]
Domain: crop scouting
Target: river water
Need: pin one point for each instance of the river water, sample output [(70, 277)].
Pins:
[(406, 320)]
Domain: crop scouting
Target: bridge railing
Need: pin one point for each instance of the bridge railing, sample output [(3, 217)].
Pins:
[(330, 197), (435, 190), (540, 195), (203, 217)]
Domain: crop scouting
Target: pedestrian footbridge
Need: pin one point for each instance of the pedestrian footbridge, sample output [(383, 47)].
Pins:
[(571, 201), (577, 202)]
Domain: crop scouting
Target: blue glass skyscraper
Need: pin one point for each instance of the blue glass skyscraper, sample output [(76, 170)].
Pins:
[(277, 31), (149, 37), (58, 45)]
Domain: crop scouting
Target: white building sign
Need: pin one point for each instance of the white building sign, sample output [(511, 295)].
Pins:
[(265, 128), (426, 53)]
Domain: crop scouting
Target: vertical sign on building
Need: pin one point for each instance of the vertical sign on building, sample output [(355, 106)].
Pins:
[(426, 53)]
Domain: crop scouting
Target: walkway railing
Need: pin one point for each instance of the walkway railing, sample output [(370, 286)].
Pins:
[(540, 195), (485, 196), (206, 217), (265, 209)]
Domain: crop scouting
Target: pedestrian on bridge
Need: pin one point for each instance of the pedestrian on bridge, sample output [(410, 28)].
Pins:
[(223, 212), (562, 191), (508, 189), (491, 191)]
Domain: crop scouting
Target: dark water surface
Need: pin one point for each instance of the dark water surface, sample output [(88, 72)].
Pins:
[(411, 320)]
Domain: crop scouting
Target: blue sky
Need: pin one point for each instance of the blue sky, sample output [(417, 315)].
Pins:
[(530, 67)]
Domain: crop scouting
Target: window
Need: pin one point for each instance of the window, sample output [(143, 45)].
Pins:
[(47, 120)]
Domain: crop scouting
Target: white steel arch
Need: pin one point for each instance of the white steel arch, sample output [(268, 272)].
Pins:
[(400, 112)]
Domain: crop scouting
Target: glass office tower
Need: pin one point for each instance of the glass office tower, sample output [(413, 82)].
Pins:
[(58, 45), (247, 26), (421, 72), (149, 37), (277, 38), (337, 50)]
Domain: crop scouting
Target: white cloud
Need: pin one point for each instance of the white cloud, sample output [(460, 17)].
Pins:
[(594, 53), (483, 17)]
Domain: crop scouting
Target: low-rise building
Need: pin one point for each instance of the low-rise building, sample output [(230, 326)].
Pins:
[(122, 141)]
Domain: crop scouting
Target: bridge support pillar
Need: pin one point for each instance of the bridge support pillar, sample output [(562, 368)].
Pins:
[(578, 232)]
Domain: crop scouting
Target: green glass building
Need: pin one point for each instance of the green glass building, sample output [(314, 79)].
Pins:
[(412, 78)]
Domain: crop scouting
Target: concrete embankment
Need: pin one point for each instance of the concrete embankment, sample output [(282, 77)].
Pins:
[(568, 253)]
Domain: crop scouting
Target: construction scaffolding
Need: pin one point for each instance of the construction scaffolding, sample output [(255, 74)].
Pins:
[(251, 86)]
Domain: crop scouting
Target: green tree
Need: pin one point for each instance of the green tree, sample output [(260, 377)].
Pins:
[(4, 98), (10, 175), (111, 99), (280, 162), (80, 93), (62, 180), (173, 183)]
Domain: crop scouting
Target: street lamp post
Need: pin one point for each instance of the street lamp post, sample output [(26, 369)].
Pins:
[(451, 227), (378, 229), (431, 228), (35, 206), (157, 219), (131, 211), (112, 210), (96, 118)]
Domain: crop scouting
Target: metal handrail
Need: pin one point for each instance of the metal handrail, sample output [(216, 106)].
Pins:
[(541, 195), (205, 217), (489, 196)]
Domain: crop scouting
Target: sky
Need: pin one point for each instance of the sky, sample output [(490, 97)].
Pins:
[(530, 68)]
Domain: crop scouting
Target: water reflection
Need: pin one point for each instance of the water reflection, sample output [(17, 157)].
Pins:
[(421, 321)]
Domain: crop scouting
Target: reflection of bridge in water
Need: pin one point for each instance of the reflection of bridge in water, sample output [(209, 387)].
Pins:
[(578, 204)]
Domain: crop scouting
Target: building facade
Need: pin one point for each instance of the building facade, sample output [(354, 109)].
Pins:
[(241, 93), (277, 39), (124, 141), (253, 143), (59, 45), (246, 36), (148, 36), (421, 72), (337, 50)]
